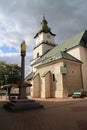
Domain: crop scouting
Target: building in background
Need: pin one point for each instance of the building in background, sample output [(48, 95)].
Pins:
[(58, 69)]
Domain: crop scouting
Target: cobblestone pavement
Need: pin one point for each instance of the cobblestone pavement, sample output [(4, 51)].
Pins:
[(58, 114)]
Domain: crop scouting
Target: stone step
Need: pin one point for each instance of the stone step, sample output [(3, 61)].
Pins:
[(17, 105), (11, 103), (22, 100)]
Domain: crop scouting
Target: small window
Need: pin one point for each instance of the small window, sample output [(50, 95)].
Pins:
[(53, 76), (38, 54)]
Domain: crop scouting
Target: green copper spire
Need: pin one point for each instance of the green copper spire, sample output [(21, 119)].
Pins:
[(44, 27)]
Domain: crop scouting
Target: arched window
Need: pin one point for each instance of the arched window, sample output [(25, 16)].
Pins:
[(53, 76)]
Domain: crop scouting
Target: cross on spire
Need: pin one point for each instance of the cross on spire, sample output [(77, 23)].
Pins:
[(43, 16)]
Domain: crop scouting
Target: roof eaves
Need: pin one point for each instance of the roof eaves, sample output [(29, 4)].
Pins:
[(69, 57)]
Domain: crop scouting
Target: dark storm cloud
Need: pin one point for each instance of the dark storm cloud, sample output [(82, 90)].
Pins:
[(20, 20)]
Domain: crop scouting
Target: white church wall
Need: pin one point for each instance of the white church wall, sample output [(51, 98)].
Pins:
[(81, 53), (72, 79), (45, 48), (36, 86), (56, 87), (45, 88), (47, 85), (39, 39), (44, 37), (37, 50), (48, 38), (64, 84), (75, 52)]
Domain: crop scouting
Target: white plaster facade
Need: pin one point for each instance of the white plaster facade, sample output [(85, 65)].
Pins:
[(81, 53), (44, 86), (41, 49), (44, 37), (58, 76)]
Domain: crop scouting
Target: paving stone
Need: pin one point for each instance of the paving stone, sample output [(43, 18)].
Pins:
[(56, 115)]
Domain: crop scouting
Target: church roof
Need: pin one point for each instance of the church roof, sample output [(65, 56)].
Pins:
[(30, 76), (44, 28), (59, 55), (60, 51)]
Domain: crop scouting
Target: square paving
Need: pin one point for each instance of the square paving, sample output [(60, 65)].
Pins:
[(57, 114)]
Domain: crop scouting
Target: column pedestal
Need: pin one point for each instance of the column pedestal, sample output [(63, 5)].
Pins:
[(22, 104)]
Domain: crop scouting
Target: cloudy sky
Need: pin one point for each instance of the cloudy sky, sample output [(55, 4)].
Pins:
[(20, 20)]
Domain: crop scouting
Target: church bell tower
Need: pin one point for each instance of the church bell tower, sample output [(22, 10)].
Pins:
[(44, 40)]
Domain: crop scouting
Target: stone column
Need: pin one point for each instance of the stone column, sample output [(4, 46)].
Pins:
[(22, 88)]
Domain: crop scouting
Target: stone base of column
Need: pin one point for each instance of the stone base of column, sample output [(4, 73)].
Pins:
[(22, 92), (22, 104)]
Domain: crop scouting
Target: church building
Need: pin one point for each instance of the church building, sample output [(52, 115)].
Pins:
[(58, 70)]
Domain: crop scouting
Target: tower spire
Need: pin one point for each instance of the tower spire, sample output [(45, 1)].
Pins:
[(44, 27)]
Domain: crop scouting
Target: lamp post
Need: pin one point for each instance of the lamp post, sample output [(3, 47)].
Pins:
[(6, 78), (22, 89)]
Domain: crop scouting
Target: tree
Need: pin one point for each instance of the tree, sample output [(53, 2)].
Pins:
[(9, 73)]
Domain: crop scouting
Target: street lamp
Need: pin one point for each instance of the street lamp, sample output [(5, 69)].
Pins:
[(6, 78)]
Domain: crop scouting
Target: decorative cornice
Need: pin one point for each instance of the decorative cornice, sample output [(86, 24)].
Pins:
[(44, 43)]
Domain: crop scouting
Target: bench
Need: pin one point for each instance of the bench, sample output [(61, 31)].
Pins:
[(77, 95)]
